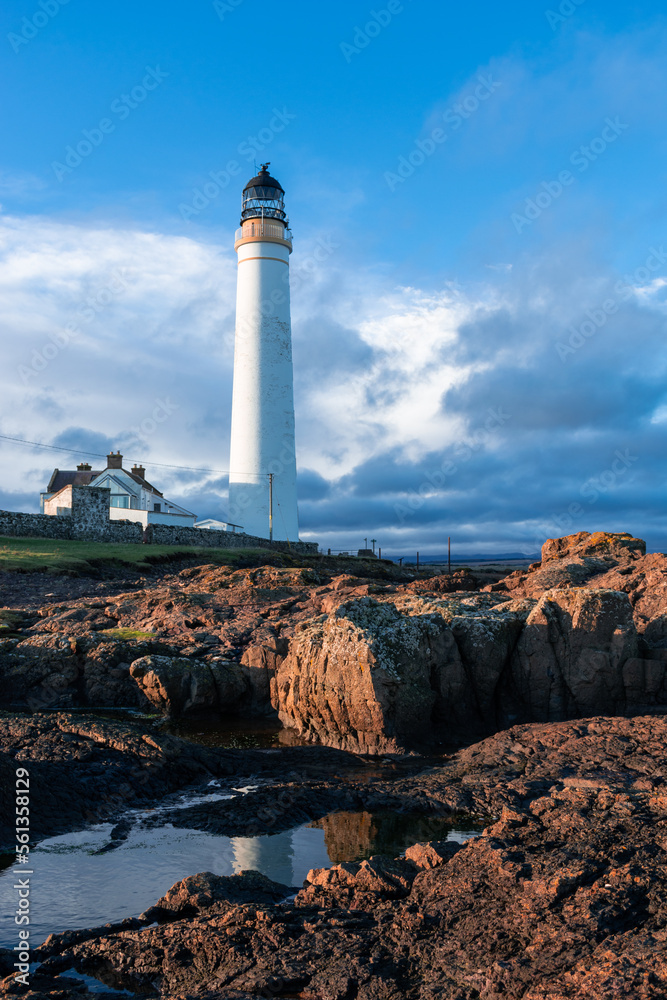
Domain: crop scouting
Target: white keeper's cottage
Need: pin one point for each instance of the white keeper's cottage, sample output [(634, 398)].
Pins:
[(132, 496)]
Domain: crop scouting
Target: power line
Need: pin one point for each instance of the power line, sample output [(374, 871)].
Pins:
[(95, 454)]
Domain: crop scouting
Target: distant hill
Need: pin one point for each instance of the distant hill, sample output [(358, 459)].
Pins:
[(494, 557)]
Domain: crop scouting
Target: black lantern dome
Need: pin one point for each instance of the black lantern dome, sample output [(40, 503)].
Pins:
[(263, 198)]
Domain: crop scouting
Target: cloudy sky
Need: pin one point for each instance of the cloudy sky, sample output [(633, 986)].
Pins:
[(479, 271)]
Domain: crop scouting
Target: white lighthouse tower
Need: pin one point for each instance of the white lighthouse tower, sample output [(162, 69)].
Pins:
[(262, 482)]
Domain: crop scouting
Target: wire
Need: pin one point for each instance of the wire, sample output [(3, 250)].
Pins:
[(157, 465)]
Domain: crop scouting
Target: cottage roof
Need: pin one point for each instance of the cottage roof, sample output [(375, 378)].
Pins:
[(64, 477)]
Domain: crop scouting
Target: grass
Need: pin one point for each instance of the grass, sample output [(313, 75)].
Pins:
[(63, 556), (73, 558), (127, 633)]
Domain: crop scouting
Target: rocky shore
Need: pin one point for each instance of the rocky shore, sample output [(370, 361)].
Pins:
[(557, 677), (563, 894), (370, 665)]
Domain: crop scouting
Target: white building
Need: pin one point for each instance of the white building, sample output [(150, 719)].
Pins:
[(132, 496), (210, 524), (262, 481)]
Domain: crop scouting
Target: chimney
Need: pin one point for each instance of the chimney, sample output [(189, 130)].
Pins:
[(138, 470), (83, 467), (115, 461)]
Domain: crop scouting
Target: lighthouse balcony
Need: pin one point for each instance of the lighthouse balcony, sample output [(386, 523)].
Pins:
[(259, 230)]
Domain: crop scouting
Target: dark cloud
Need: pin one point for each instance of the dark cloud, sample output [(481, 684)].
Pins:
[(561, 425), (311, 485), (322, 347)]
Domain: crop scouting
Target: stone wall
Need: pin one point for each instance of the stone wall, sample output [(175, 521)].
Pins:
[(90, 517), (14, 525), (164, 534), (89, 521)]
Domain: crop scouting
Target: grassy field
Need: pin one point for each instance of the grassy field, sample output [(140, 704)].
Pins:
[(29, 555), (61, 556)]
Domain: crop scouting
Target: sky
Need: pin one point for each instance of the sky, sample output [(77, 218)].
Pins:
[(478, 280)]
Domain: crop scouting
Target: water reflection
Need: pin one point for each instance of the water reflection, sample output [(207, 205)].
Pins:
[(275, 854), (76, 884), (350, 836)]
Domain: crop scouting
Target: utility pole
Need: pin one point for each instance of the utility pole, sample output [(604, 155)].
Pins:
[(365, 543), (449, 555), (417, 562), (373, 541), (270, 506)]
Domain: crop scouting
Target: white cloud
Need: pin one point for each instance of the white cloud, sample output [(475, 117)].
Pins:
[(152, 317)]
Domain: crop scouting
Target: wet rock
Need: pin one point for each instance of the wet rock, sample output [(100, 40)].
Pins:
[(83, 769)]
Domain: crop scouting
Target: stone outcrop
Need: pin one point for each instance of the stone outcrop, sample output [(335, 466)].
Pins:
[(575, 561), (360, 677), (378, 674), (365, 664), (601, 544), (178, 686), (56, 671), (570, 656)]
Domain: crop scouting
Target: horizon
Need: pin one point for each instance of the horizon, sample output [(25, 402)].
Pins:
[(478, 279)]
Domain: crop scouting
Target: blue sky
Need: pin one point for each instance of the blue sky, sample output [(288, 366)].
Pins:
[(481, 332)]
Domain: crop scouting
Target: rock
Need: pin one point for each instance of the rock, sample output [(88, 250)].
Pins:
[(260, 662), (180, 687), (84, 770), (42, 671), (377, 675), (574, 561), (359, 886), (459, 580), (207, 891), (645, 684), (223, 641), (467, 681), (56, 671), (432, 854), (619, 546), (562, 896), (359, 678), (570, 656)]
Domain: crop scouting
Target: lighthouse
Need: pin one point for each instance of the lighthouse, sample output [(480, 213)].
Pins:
[(262, 481)]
